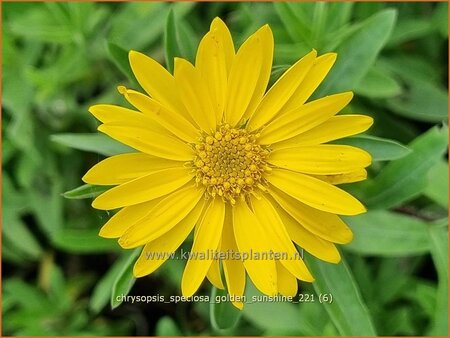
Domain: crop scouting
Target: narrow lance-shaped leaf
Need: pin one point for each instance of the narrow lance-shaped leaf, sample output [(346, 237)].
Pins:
[(346, 308), (82, 241), (405, 178), (96, 143), (119, 57), (439, 253), (103, 290), (382, 233), (124, 280), (381, 149), (357, 54), (223, 314), (171, 41), (86, 191)]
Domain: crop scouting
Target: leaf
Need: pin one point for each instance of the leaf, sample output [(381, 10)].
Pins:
[(410, 29), (97, 143), (223, 315), (167, 327), (439, 253), (119, 57), (82, 241), (358, 53), (281, 316), (26, 295), (405, 178), (124, 280), (297, 28), (382, 233), (38, 25), (437, 184), (423, 101), (103, 289), (347, 309), (378, 83), (171, 41), (440, 19), (18, 235), (381, 149), (86, 191)]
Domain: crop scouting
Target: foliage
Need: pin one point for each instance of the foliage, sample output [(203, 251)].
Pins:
[(60, 278)]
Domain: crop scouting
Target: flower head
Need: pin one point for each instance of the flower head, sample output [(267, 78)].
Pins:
[(243, 168)]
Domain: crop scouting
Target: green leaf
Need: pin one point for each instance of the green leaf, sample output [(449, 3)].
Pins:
[(347, 309), (439, 253), (378, 83), (382, 233), (24, 294), (124, 280), (437, 184), (423, 101), (410, 29), (171, 41), (358, 53), (119, 57), (294, 23), (97, 143), (86, 191), (83, 241), (339, 14), (103, 289), (381, 149), (440, 19), (270, 315), (405, 178), (18, 235), (223, 314), (167, 327)]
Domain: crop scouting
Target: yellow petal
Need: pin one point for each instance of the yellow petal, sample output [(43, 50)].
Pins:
[(173, 122), (223, 35), (287, 283), (233, 269), (312, 80), (325, 159), (335, 128), (214, 275), (206, 241), (158, 251), (279, 238), (156, 81), (211, 64), (194, 94), (315, 193), (310, 242), (126, 218), (163, 217), (250, 238), (145, 188), (122, 168), (266, 37), (306, 117), (281, 91), (149, 141), (244, 75), (108, 113), (326, 225), (354, 176)]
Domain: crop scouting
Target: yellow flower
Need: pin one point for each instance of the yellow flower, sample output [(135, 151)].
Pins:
[(247, 169)]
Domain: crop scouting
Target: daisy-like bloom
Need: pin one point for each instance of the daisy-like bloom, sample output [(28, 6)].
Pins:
[(245, 169)]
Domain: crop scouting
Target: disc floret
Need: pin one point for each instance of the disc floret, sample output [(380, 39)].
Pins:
[(230, 163)]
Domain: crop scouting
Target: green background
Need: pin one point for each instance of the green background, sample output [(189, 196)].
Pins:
[(60, 278)]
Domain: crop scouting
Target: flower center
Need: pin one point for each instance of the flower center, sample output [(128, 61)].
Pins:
[(230, 163)]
